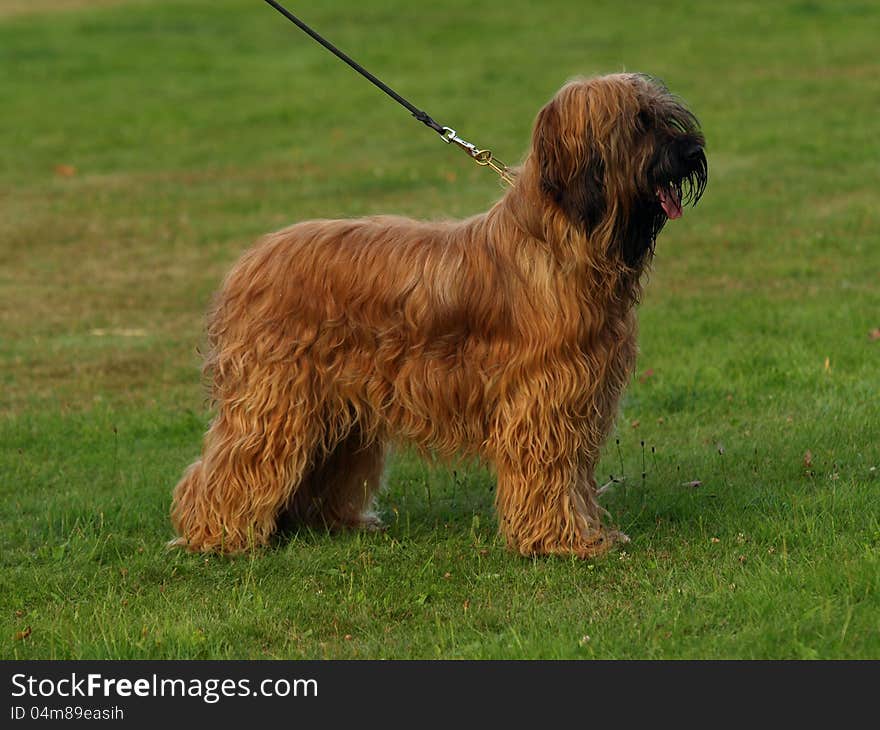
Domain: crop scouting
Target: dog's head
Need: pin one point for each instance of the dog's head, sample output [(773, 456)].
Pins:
[(619, 155)]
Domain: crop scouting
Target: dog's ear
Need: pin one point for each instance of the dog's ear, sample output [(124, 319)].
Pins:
[(554, 164), (572, 170)]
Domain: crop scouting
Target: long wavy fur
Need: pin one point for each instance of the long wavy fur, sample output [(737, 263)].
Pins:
[(508, 336)]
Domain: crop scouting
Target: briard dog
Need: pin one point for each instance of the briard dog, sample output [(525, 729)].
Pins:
[(508, 336)]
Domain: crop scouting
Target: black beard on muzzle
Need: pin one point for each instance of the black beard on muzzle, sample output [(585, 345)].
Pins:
[(679, 172)]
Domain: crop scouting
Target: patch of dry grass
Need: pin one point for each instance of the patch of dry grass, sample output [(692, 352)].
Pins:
[(11, 8)]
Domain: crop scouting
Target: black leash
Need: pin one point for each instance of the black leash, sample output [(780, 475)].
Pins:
[(449, 135)]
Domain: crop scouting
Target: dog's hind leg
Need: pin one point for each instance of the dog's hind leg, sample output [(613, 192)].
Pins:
[(260, 445), (340, 492)]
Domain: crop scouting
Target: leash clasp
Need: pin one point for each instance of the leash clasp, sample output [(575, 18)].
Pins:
[(484, 158), (450, 136)]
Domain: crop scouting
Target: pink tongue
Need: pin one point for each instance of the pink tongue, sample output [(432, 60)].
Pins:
[(671, 203)]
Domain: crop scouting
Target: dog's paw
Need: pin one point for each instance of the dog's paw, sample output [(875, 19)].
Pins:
[(599, 543), (370, 523)]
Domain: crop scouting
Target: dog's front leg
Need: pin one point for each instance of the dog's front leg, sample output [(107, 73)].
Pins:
[(546, 496)]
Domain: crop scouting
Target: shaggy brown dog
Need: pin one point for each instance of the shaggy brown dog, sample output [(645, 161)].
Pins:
[(508, 336)]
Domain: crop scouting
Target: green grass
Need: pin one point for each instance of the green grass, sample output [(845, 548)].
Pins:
[(194, 128)]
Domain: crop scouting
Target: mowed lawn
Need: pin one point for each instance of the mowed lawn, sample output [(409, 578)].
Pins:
[(145, 145)]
